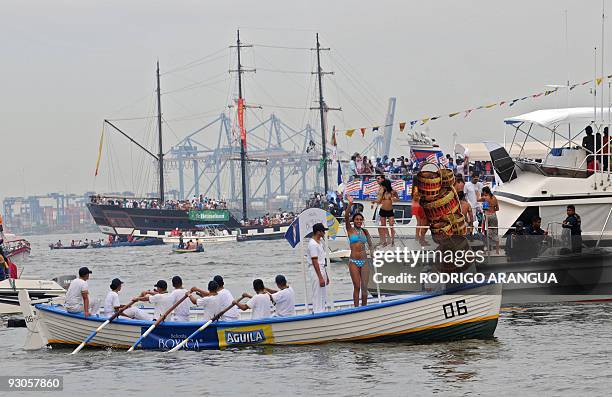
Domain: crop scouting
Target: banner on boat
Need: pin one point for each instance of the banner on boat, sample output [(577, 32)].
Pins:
[(167, 337), (250, 335), (303, 223), (209, 215)]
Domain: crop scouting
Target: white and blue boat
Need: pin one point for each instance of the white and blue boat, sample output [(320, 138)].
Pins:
[(470, 312)]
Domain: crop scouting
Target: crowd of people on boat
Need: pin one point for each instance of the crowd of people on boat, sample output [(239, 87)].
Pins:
[(277, 218), (216, 300), (200, 202)]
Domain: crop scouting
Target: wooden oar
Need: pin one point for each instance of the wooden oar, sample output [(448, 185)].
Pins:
[(206, 324), (104, 324), (159, 320)]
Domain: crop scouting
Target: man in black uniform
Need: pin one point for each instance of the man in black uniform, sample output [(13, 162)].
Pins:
[(573, 222)]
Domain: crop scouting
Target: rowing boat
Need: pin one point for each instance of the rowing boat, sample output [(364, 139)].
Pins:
[(200, 248), (470, 312)]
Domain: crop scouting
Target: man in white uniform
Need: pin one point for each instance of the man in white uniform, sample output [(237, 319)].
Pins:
[(318, 272), (209, 300), (260, 303), (160, 298), (225, 300), (283, 299), (112, 305), (77, 296), (181, 313)]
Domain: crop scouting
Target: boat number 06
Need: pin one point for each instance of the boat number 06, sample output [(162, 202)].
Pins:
[(455, 309)]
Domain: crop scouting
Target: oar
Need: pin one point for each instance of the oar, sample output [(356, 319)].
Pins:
[(206, 324), (104, 324), (159, 320)]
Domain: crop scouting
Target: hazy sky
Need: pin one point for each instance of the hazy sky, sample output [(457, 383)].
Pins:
[(67, 65)]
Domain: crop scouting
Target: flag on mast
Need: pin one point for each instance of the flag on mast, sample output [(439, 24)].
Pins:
[(99, 152)]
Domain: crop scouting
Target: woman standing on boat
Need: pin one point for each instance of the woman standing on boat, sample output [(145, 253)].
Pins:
[(386, 197), (358, 237)]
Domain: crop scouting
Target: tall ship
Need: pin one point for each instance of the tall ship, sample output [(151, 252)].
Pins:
[(122, 216)]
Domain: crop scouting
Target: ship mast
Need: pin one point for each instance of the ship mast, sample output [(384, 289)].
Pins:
[(160, 155)]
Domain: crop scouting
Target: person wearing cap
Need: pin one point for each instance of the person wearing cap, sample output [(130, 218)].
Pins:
[(260, 303), (112, 305), (181, 313), (160, 298), (77, 296), (283, 299), (317, 265), (225, 300), (209, 300)]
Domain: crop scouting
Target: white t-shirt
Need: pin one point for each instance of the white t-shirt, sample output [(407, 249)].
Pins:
[(110, 303), (225, 300), (74, 299), (181, 313), (315, 250), (211, 306), (162, 303), (285, 302), (470, 190), (260, 305)]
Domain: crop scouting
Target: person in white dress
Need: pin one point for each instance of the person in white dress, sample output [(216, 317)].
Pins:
[(317, 262), (112, 305)]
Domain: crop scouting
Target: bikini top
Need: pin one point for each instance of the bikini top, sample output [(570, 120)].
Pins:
[(358, 238)]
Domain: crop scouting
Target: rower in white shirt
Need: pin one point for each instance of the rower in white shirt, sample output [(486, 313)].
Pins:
[(260, 303), (209, 300), (283, 299), (160, 298), (112, 305), (77, 297), (181, 313), (225, 300)]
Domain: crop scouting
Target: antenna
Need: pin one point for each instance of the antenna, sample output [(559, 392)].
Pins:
[(603, 74)]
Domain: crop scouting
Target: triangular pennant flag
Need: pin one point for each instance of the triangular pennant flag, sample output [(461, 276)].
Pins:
[(412, 123), (523, 98), (363, 130), (549, 92), (502, 103), (586, 82), (479, 107), (434, 118), (349, 133), (573, 86), (402, 126), (490, 106), (375, 129), (599, 80), (453, 114), (423, 121), (467, 112), (514, 101), (537, 95)]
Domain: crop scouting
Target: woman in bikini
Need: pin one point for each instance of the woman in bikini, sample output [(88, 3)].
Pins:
[(385, 200), (358, 237)]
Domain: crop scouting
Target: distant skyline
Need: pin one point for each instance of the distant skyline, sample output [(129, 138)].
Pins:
[(68, 65)]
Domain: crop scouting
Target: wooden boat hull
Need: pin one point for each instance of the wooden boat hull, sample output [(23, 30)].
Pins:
[(470, 313)]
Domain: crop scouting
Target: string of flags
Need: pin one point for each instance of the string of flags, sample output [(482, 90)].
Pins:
[(466, 113)]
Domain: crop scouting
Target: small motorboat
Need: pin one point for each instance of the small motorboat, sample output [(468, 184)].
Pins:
[(69, 247), (468, 312), (137, 242), (177, 250)]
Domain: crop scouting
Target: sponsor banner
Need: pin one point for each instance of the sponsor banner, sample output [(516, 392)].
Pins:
[(209, 215), (167, 337), (247, 335)]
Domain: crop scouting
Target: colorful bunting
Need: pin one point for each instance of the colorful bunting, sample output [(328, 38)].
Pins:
[(466, 113)]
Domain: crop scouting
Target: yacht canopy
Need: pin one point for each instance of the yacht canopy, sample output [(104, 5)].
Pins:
[(552, 117), (479, 152)]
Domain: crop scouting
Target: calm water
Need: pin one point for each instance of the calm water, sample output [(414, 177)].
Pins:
[(543, 350)]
